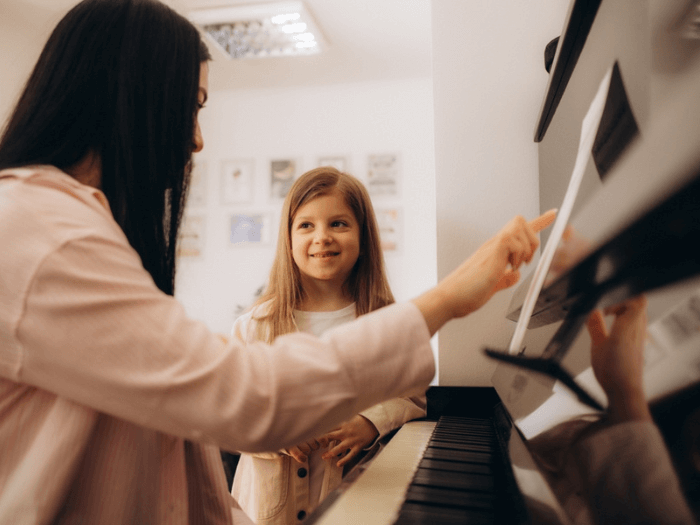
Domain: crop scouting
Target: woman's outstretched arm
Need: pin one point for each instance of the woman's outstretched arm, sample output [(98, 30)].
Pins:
[(493, 267)]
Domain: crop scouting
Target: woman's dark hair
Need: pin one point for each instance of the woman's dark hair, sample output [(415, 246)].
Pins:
[(118, 79)]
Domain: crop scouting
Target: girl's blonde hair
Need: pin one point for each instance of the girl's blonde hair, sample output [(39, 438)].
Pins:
[(367, 283)]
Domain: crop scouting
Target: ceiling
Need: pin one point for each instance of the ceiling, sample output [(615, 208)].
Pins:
[(368, 40)]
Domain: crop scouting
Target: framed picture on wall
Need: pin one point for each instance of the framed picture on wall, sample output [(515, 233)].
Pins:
[(197, 195), (390, 225), (282, 174), (250, 229), (237, 181), (383, 174), (339, 162), (192, 233)]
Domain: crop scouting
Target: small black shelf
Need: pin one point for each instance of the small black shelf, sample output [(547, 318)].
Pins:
[(578, 25)]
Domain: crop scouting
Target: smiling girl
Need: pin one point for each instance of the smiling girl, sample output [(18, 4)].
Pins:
[(328, 270)]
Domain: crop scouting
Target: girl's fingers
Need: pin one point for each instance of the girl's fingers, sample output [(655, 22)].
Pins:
[(351, 453), (297, 454), (332, 452)]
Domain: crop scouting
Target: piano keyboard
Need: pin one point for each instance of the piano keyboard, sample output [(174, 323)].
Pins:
[(447, 472), (455, 480)]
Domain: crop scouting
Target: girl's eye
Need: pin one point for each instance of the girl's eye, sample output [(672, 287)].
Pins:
[(339, 223), (304, 225)]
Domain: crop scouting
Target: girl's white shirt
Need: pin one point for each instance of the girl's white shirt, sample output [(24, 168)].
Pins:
[(318, 322)]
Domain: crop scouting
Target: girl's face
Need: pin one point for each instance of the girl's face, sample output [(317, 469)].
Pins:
[(325, 240)]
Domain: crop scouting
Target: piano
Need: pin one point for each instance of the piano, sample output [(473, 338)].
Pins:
[(476, 457), (452, 467)]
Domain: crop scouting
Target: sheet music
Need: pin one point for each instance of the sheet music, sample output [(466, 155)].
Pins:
[(589, 128)]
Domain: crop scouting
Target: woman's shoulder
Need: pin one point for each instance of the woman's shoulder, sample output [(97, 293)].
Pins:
[(55, 201), (48, 206), (51, 178)]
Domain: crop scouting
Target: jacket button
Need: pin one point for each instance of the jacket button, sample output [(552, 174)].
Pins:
[(301, 515), (301, 472)]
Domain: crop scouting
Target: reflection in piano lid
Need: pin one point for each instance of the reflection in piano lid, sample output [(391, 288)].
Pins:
[(642, 232), (638, 233)]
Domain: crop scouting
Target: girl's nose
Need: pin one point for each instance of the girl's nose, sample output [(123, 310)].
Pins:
[(323, 236)]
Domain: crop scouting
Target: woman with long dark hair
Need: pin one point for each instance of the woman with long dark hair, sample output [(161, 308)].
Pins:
[(97, 93), (113, 404)]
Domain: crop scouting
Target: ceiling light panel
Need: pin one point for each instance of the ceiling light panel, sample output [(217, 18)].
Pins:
[(279, 29)]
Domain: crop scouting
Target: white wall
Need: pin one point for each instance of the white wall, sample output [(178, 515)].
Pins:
[(21, 41), (489, 81), (353, 120)]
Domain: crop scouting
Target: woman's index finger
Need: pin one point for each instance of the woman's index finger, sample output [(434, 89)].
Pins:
[(544, 220)]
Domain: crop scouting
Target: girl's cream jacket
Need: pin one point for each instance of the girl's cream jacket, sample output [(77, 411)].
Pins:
[(272, 487)]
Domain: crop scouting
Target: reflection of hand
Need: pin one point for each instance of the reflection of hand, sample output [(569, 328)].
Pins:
[(618, 359), (350, 438), (571, 249), (301, 451), (493, 267)]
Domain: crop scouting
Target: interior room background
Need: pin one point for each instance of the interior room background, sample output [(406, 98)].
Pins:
[(460, 122)]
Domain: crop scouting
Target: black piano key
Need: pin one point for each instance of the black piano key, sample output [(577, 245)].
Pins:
[(464, 434), (472, 425), (458, 455), (457, 480), (473, 430), (456, 466), (450, 497), (456, 439), (471, 447), (468, 430), (416, 514)]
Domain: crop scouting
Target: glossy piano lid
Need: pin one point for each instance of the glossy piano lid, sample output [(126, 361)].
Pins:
[(641, 232)]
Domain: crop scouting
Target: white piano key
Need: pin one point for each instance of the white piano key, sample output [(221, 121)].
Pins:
[(375, 498)]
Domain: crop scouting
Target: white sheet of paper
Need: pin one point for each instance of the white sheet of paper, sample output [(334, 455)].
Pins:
[(589, 128)]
